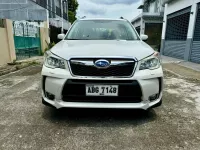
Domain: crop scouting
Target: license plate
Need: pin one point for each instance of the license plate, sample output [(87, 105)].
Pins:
[(101, 90)]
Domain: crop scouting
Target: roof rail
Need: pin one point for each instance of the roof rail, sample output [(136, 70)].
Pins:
[(83, 17), (124, 18)]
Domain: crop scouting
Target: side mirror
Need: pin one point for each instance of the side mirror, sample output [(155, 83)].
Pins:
[(144, 37), (61, 36)]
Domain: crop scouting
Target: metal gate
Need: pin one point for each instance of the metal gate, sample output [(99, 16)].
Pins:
[(176, 33), (195, 52), (27, 39)]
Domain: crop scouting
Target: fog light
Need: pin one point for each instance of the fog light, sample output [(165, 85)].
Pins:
[(153, 97), (50, 96)]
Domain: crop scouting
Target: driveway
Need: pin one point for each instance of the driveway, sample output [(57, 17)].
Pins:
[(26, 124)]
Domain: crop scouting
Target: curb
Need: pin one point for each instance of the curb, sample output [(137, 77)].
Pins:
[(178, 75), (16, 71)]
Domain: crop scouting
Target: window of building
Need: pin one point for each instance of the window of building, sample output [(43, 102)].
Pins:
[(42, 3), (58, 11), (177, 25), (197, 26)]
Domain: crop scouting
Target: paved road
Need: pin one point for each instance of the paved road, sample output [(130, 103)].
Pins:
[(26, 124)]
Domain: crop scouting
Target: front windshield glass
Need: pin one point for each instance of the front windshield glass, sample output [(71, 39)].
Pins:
[(102, 30)]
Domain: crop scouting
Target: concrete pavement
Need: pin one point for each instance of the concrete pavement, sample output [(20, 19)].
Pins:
[(181, 68), (187, 64), (26, 124)]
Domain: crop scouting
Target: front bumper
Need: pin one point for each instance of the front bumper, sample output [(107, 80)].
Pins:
[(149, 82)]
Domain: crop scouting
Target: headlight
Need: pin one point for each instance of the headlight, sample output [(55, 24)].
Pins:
[(53, 61), (152, 62)]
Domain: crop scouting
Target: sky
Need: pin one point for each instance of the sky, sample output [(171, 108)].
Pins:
[(108, 8)]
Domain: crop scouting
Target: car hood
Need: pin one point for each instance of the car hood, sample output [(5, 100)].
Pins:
[(91, 48)]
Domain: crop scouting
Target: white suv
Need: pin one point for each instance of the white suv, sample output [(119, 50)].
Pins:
[(102, 63)]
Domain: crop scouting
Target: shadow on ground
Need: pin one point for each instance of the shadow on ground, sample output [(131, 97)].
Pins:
[(99, 117)]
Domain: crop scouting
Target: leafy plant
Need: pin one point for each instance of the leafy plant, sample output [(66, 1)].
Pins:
[(49, 46), (72, 5), (14, 62), (72, 16), (52, 44)]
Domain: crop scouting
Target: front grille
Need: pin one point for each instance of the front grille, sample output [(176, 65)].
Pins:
[(129, 91), (124, 68)]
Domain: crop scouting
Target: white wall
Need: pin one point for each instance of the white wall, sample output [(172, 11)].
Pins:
[(137, 23), (4, 50), (192, 21), (156, 6), (177, 5), (152, 7), (164, 22), (160, 5)]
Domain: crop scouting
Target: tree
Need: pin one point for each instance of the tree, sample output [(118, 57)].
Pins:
[(72, 16), (72, 6)]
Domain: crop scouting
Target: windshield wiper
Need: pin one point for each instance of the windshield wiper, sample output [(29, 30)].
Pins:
[(78, 39), (73, 39)]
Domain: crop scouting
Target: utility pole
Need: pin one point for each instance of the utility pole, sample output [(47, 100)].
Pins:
[(47, 11), (67, 11), (61, 3)]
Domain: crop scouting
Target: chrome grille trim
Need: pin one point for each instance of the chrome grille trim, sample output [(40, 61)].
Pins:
[(81, 62), (91, 63), (122, 61)]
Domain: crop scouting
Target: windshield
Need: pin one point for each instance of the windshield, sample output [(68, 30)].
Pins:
[(102, 30)]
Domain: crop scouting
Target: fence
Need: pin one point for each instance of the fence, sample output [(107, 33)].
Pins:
[(27, 39)]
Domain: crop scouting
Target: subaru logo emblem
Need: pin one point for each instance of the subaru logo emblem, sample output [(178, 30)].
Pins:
[(102, 63)]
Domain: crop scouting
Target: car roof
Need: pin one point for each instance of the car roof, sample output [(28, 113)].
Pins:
[(103, 19)]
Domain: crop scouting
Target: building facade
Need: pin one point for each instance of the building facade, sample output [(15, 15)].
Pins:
[(30, 25), (21, 10), (181, 30), (36, 10), (149, 22)]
